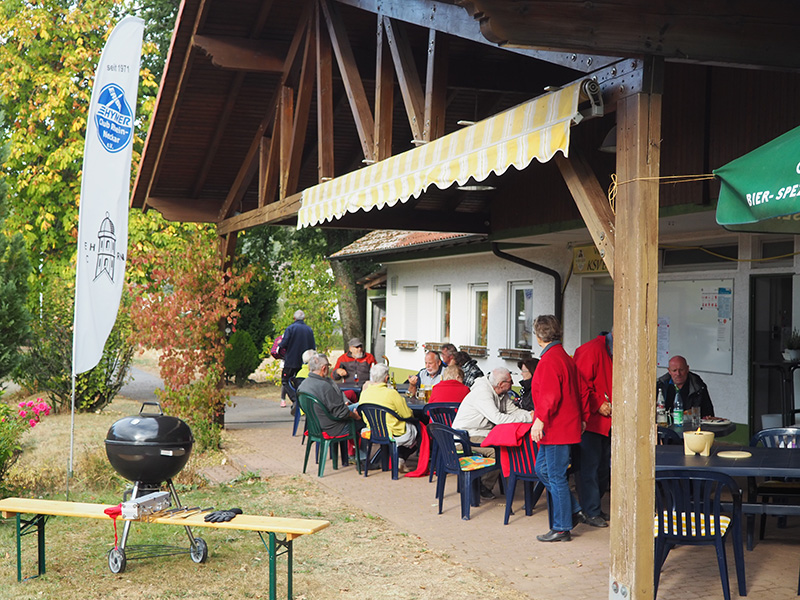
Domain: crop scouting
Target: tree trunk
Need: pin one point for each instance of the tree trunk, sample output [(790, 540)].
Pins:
[(351, 302)]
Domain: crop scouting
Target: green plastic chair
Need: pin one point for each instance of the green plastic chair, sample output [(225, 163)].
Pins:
[(312, 408)]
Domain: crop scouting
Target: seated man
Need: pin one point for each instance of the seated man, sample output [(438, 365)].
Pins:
[(319, 385), (353, 366), (486, 405), (451, 388), (448, 353), (429, 376), (679, 380), (405, 434)]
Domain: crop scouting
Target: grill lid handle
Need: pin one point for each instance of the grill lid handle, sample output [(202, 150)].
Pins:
[(158, 404)]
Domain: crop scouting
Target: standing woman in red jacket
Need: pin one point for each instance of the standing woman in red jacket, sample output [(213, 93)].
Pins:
[(559, 418)]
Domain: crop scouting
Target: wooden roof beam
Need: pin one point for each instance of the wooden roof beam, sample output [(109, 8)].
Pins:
[(384, 95), (407, 76), (325, 163), (592, 203), (362, 114), (435, 86), (247, 168), (240, 54), (454, 20), (271, 213)]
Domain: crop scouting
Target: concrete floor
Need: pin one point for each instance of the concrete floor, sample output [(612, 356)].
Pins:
[(575, 570)]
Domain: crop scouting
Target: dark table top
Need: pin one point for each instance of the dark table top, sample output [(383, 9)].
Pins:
[(717, 430), (763, 462)]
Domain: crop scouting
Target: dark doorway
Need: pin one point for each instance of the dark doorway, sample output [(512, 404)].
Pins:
[(771, 323)]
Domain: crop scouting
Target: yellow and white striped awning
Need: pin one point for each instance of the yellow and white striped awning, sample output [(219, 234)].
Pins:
[(536, 129)]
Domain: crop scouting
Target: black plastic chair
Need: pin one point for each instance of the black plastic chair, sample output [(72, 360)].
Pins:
[(522, 461), (438, 412), (461, 464), (772, 489), (689, 512), (312, 408), (668, 437), (375, 417)]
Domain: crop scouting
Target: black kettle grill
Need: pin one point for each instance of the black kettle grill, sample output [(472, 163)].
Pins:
[(149, 449)]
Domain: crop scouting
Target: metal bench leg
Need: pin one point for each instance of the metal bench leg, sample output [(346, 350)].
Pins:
[(272, 546), (25, 527)]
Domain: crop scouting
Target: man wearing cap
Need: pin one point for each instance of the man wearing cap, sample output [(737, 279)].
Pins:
[(353, 366)]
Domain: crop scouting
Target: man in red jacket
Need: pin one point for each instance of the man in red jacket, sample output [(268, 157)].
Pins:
[(594, 361), (561, 406)]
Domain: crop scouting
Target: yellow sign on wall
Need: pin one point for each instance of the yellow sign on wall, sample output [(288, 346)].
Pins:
[(587, 259)]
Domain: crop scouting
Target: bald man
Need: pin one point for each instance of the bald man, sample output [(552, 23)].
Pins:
[(680, 380)]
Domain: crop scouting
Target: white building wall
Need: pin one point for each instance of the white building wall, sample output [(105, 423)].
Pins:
[(728, 392)]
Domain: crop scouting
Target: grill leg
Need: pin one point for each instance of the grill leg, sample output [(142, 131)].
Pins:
[(173, 492)]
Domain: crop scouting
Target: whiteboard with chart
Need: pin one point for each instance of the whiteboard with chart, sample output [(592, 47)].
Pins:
[(695, 320)]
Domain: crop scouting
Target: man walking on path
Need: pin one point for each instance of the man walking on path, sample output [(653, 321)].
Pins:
[(297, 338)]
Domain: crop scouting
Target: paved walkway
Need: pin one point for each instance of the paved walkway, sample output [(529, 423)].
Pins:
[(262, 441)]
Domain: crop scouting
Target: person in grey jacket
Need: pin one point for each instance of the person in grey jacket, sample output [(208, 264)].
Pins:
[(486, 405), (319, 385)]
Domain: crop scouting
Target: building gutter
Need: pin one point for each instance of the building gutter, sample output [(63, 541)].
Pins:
[(558, 296)]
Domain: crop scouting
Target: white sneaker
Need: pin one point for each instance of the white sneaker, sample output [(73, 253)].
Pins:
[(401, 465)]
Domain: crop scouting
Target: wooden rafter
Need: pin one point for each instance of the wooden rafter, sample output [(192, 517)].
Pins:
[(285, 124), (240, 54), (325, 169), (407, 75), (384, 95), (351, 78), (435, 86), (305, 90), (182, 83), (247, 168), (271, 213), (592, 203)]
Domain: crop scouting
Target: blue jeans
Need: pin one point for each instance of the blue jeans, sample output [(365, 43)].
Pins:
[(552, 463), (594, 474)]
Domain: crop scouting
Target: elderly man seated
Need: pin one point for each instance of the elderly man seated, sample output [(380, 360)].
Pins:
[(319, 385), (429, 376), (353, 366), (405, 434), (487, 405)]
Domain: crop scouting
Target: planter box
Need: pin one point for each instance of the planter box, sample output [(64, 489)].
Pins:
[(406, 344), (514, 354), (475, 351)]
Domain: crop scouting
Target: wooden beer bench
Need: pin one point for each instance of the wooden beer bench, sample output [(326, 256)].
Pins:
[(289, 528)]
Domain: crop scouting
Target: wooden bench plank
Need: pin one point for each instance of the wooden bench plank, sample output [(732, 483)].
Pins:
[(286, 525)]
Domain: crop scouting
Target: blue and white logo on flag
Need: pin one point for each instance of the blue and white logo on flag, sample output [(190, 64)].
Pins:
[(114, 118)]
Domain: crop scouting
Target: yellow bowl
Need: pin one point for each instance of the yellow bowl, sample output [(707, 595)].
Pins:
[(698, 442)]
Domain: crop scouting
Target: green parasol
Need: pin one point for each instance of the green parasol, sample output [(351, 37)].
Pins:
[(760, 191)]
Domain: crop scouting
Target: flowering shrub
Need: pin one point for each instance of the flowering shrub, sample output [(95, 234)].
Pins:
[(14, 422)]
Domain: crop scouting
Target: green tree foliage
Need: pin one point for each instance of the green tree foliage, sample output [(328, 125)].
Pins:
[(47, 364), (307, 283), (241, 357), (14, 270), (180, 304), (48, 57)]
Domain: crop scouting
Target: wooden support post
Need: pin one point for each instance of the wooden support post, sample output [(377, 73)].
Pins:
[(285, 122), (407, 75), (635, 323), (325, 169), (384, 95), (435, 85)]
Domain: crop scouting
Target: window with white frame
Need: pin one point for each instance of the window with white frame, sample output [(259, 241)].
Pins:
[(443, 312), (479, 293), (520, 322)]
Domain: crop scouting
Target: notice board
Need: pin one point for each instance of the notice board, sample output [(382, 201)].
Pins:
[(695, 320)]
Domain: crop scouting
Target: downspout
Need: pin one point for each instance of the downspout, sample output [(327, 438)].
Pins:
[(557, 297)]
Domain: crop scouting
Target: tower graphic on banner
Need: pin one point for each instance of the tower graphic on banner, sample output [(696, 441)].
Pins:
[(106, 249)]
